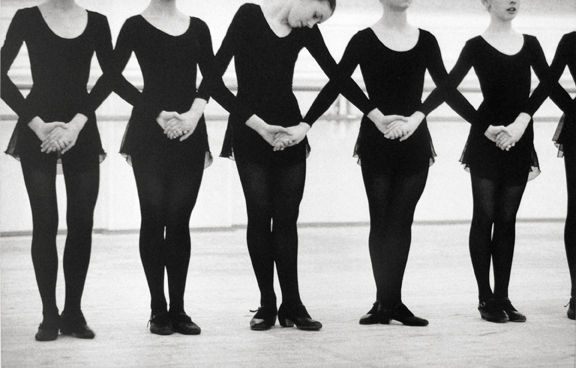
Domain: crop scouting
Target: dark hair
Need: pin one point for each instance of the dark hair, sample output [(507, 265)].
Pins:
[(331, 3)]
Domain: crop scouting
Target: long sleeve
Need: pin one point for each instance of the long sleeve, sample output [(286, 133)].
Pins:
[(122, 53), (105, 55), (559, 63), (206, 63), (340, 77), (452, 96), (10, 93), (455, 77), (540, 67), (215, 85)]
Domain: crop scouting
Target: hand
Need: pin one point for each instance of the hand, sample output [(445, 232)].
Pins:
[(493, 131), (382, 121), (61, 139), (295, 134), (508, 138), (270, 132), (411, 125), (182, 125), (42, 129), (164, 117)]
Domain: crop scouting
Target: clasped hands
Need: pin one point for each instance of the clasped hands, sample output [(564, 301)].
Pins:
[(506, 137), (57, 136), (178, 125)]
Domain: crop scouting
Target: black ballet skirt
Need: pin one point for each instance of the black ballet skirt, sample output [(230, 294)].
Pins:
[(169, 67), (505, 83), (60, 70)]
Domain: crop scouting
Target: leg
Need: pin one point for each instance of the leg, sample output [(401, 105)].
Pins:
[(378, 187), (41, 188), (288, 189), (81, 192), (182, 192), (509, 197), (255, 179), (151, 189), (484, 197), (570, 227), (404, 196)]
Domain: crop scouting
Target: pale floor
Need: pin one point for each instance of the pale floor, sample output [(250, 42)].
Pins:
[(337, 287)]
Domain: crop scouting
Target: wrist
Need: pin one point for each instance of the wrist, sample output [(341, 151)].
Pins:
[(418, 116), (304, 126), (35, 123), (78, 122), (375, 115)]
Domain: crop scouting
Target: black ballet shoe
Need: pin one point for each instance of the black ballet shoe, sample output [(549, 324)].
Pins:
[(373, 315), (75, 325), (511, 312), (288, 316), (160, 324), (182, 323), (264, 319), (48, 329), (402, 314), (571, 308), (491, 311)]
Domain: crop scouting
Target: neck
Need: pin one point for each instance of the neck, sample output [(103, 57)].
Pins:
[(277, 10), (394, 18), (499, 26), (162, 7), (62, 4)]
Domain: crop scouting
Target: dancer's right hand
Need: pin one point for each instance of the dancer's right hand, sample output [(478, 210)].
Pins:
[(493, 131), (385, 123), (42, 129), (164, 117)]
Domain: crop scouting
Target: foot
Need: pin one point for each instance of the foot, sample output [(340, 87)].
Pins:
[(491, 311), (74, 324), (571, 308), (182, 323), (264, 319), (511, 312), (160, 324), (402, 314), (288, 316), (372, 317), (48, 329)]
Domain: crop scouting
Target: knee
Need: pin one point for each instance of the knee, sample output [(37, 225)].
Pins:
[(259, 213)]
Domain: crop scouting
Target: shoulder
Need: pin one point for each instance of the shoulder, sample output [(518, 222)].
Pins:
[(569, 39), (427, 38), (133, 22), (530, 39), (25, 14), (247, 9), (97, 18), (199, 25)]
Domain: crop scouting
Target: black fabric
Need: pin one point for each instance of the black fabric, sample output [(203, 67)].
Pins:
[(167, 191), (81, 192), (169, 67), (570, 227), (60, 69), (392, 200), (273, 194), (264, 65), (493, 231), (565, 57), (505, 82)]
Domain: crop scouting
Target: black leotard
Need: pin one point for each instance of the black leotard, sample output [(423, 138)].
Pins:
[(394, 81), (264, 66), (60, 70), (505, 83), (169, 68)]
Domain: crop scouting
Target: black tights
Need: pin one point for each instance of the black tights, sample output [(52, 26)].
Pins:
[(392, 199), (81, 192), (570, 227), (493, 232), (167, 194), (273, 194)]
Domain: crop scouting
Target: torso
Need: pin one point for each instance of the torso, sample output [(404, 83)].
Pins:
[(70, 24)]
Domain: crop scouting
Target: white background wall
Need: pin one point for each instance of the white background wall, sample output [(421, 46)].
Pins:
[(334, 191)]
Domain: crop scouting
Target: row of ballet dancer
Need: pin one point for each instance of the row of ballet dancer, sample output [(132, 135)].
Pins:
[(166, 142)]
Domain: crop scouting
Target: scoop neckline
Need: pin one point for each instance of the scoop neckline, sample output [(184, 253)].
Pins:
[(503, 53), (397, 51), (56, 34), (269, 27), (164, 32)]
